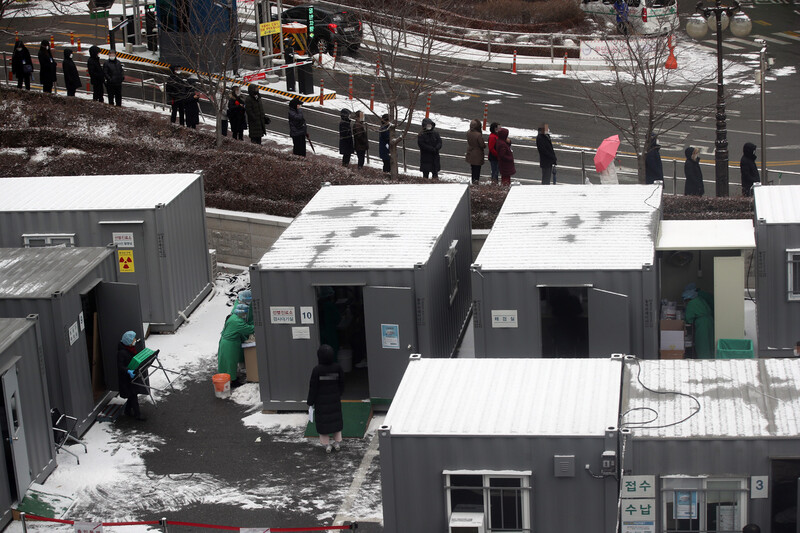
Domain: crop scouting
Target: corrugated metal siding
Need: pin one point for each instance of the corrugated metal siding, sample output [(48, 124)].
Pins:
[(365, 227), (574, 227), (738, 398), (778, 204), (39, 272), (91, 193), (506, 397)]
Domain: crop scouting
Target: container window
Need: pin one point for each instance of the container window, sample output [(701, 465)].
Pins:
[(503, 500), (39, 240), (793, 268), (703, 505), (452, 270)]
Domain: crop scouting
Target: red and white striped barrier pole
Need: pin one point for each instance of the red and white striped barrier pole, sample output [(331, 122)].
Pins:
[(88, 87), (320, 57), (485, 115), (372, 97), (514, 63), (378, 67), (428, 106), (52, 42), (335, 53), (72, 38), (16, 36), (79, 44), (321, 91), (565, 64), (350, 87)]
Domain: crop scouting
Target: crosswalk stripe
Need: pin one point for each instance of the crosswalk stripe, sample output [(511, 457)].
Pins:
[(743, 41), (763, 22), (789, 35), (726, 45), (770, 39)]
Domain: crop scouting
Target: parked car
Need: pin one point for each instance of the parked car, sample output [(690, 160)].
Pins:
[(330, 26)]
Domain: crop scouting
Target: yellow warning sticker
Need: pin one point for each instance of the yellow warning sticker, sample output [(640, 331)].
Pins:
[(125, 260)]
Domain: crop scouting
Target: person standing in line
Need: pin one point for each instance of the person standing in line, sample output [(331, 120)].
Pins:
[(747, 164), (222, 100), (192, 109), (177, 93), (96, 76), (694, 175), (493, 127), (505, 157), (298, 129), (72, 80), (325, 390), (547, 156), (256, 119), (429, 143), (237, 113), (345, 137), (288, 58), (384, 138), (21, 65), (654, 170), (360, 139), (47, 67), (114, 75), (230, 352), (475, 150), (129, 387)]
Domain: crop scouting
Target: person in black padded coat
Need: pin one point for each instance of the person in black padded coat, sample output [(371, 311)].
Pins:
[(325, 396)]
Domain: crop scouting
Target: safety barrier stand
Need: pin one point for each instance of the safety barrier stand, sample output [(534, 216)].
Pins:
[(378, 67), (372, 97), (335, 53), (52, 42), (565, 64), (485, 115), (72, 38), (514, 63), (350, 87), (321, 91), (428, 106), (79, 45)]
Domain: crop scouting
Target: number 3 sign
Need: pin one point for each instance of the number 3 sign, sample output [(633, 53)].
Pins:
[(759, 487)]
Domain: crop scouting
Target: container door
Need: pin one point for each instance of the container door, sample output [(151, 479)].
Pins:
[(131, 257), (391, 329), (118, 311), (609, 323), (16, 431)]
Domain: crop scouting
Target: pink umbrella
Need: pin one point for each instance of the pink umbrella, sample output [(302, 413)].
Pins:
[(606, 153)]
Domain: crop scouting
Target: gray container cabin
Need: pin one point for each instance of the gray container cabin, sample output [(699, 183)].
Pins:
[(378, 272), (481, 445), (156, 220), (777, 214), (718, 441), (29, 453), (83, 313), (569, 271)]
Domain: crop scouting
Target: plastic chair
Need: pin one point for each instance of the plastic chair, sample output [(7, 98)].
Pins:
[(63, 432)]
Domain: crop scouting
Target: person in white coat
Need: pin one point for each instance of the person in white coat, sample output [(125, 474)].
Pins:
[(609, 175)]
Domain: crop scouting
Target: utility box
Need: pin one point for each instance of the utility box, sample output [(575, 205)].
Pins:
[(29, 454), (83, 312), (381, 270), (569, 271), (157, 222)]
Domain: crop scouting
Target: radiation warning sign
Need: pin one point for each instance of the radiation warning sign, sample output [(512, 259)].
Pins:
[(125, 260)]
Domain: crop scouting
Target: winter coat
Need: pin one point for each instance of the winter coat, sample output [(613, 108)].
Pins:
[(113, 72), (72, 79), (547, 156), (127, 386), (325, 393), (177, 88), (429, 144), (492, 145), (475, 144), (47, 66), (360, 139), (94, 67), (346, 145), (230, 352), (20, 58), (383, 142), (191, 106), (608, 176), (505, 156), (749, 169), (256, 119), (237, 114), (654, 170), (297, 122), (694, 176)]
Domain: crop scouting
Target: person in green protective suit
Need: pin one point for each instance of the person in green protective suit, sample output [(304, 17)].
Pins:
[(245, 297), (701, 316), (230, 352)]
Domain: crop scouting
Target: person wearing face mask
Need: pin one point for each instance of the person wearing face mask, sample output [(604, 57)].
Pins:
[(547, 156), (692, 172), (192, 109), (177, 93), (114, 76), (96, 76), (747, 164), (47, 67), (21, 65), (429, 143), (236, 113), (72, 80)]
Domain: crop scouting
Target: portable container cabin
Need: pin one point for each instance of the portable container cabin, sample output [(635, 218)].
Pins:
[(502, 445), (777, 214), (83, 313), (717, 441), (569, 271), (156, 220), (376, 271), (29, 453)]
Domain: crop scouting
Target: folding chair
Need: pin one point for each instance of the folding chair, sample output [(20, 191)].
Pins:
[(63, 428)]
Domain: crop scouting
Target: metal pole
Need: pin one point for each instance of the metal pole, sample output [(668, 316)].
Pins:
[(552, 52), (163, 525), (489, 42), (763, 66), (5, 68), (583, 168), (260, 49), (721, 144), (674, 177), (24, 522), (143, 99)]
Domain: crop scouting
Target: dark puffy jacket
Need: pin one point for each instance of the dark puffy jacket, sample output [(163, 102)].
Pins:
[(94, 67), (547, 156), (325, 392), (191, 106), (177, 88), (346, 145), (113, 72), (297, 122), (237, 114), (693, 174), (72, 79), (127, 386), (383, 141), (47, 66), (429, 144), (750, 173), (360, 139), (654, 170), (505, 157), (20, 58), (256, 120)]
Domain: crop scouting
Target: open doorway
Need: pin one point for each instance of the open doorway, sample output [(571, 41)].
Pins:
[(93, 347), (785, 478), (7, 453), (565, 321), (341, 325)]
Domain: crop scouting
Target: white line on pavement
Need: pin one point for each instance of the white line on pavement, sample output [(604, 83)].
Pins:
[(355, 486), (770, 39)]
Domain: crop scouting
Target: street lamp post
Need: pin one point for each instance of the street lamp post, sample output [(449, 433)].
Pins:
[(717, 18), (764, 64)]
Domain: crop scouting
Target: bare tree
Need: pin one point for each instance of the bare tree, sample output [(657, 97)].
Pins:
[(642, 98)]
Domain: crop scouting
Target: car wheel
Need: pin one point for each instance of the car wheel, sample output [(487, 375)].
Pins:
[(324, 45)]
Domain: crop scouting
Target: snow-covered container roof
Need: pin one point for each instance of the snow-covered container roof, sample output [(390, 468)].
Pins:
[(91, 193), (706, 235), (507, 397), (39, 272), (737, 398), (778, 204), (366, 227), (11, 329), (574, 227)]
